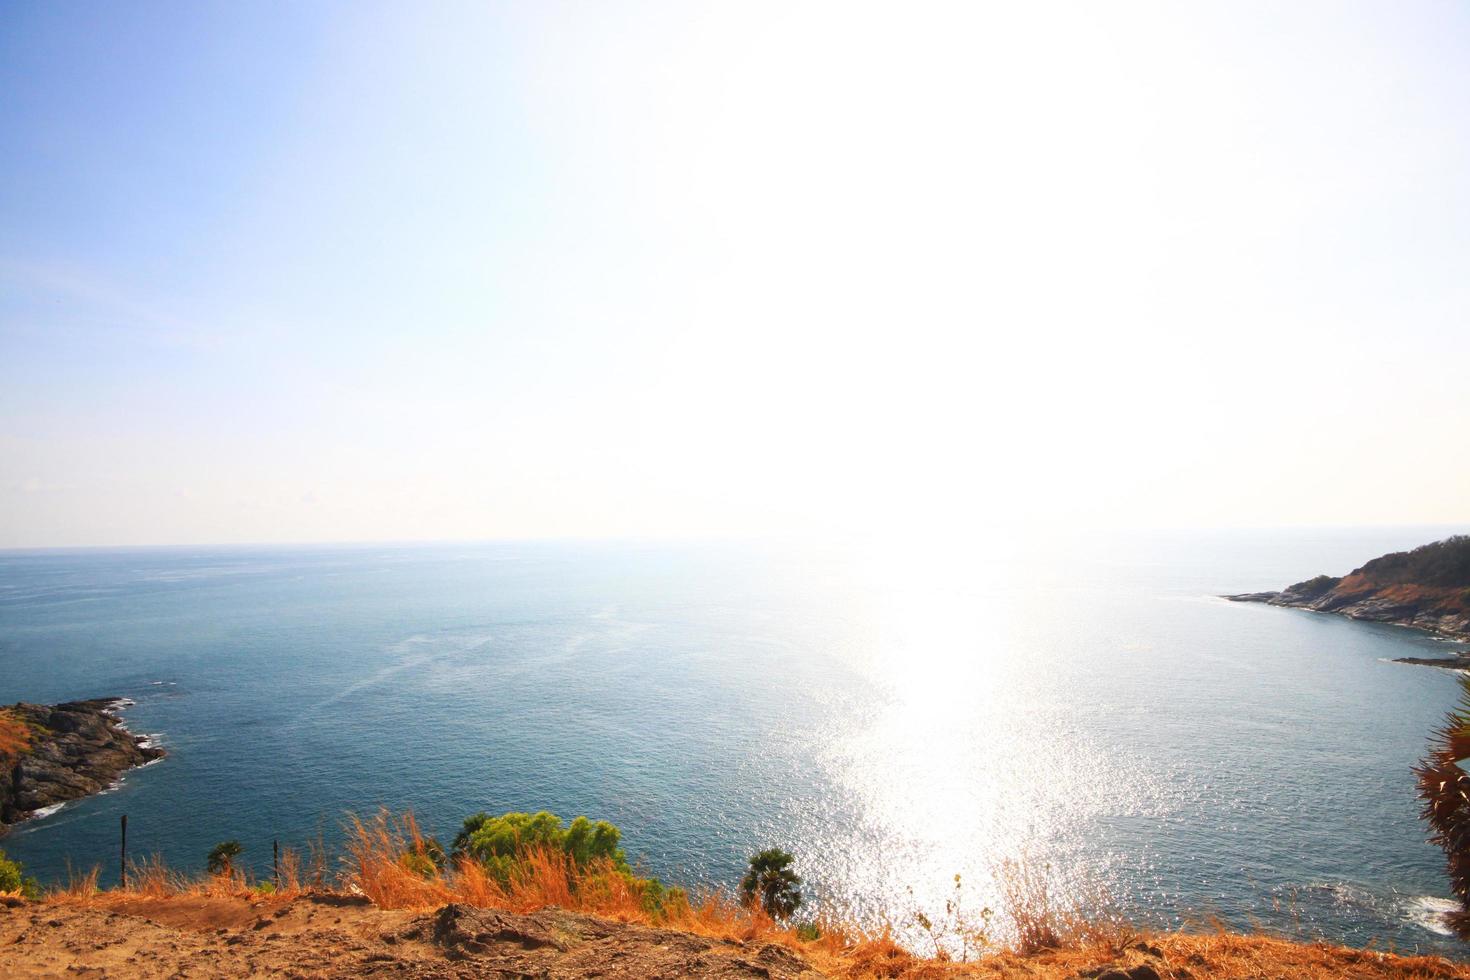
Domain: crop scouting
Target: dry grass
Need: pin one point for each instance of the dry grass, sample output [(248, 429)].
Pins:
[(80, 887), (376, 867), (1050, 939), (15, 737), (150, 878)]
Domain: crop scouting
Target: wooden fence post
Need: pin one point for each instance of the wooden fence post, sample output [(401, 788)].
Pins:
[(276, 861), (122, 857)]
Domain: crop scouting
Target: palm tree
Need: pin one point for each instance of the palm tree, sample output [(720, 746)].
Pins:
[(1445, 789), (222, 858), (771, 879)]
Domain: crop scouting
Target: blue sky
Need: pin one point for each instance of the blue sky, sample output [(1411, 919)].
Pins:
[(275, 272)]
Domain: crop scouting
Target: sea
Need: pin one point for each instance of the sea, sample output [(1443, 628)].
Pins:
[(1084, 712)]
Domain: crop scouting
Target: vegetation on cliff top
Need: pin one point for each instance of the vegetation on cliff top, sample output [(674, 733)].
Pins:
[(1056, 941), (1441, 564), (1427, 588), (1314, 587), (496, 841), (13, 880), (15, 737)]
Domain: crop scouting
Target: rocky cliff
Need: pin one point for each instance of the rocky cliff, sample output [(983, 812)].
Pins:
[(1427, 588), (61, 752)]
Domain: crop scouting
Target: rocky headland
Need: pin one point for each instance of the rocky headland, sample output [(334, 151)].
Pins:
[(1427, 588), (51, 754)]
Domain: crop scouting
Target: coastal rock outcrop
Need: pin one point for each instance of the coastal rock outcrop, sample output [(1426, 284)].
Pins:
[(56, 753), (1427, 588)]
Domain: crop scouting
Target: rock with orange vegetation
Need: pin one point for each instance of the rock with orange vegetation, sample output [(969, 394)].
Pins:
[(68, 751), (1427, 588)]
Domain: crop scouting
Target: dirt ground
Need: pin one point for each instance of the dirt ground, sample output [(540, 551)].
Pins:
[(343, 937)]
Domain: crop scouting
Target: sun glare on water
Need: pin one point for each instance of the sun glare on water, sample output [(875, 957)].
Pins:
[(964, 763)]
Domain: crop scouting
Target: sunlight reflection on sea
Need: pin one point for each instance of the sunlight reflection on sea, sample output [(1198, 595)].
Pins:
[(895, 717)]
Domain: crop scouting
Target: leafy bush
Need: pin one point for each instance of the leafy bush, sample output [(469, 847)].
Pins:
[(512, 847), (660, 901), (497, 842), (13, 879), (424, 857)]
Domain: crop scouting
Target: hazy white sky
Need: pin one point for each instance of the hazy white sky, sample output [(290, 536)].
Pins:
[(360, 271)]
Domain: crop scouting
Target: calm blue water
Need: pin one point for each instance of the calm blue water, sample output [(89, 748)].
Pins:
[(893, 718)]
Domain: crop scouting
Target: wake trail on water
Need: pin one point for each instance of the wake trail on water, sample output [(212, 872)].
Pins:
[(390, 671)]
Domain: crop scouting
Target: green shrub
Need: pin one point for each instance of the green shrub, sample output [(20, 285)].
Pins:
[(425, 857), (498, 842), (13, 879), (660, 901), (418, 863)]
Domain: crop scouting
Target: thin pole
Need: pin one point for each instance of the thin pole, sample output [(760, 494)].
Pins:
[(276, 860), (122, 857)]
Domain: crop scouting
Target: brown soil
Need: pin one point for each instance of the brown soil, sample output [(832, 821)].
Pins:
[(342, 937), (338, 936)]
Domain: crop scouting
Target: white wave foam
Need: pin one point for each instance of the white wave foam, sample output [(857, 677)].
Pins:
[(46, 811), (1428, 912)]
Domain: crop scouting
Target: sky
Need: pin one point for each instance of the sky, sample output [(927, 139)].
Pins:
[(314, 271)]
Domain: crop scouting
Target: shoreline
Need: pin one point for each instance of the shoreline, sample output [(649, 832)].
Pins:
[(1351, 611), (69, 751), (1457, 659)]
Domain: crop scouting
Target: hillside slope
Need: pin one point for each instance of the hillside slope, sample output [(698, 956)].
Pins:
[(340, 936), (1427, 588), (333, 936)]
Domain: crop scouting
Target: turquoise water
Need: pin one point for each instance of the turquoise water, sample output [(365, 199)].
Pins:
[(894, 718)]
